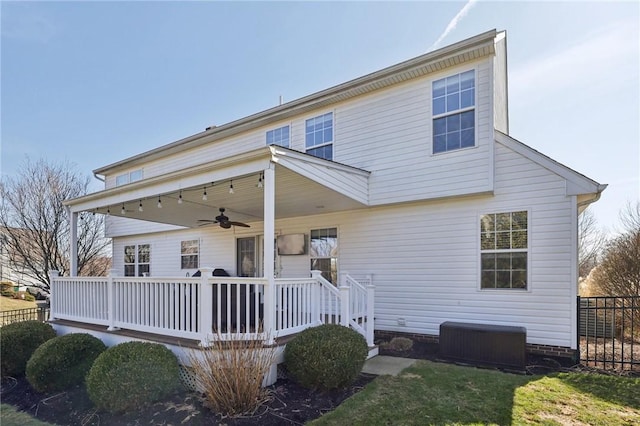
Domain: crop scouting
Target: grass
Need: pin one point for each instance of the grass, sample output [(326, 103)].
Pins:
[(9, 304), (11, 417), (443, 394)]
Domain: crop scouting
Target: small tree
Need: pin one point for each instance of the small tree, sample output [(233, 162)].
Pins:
[(35, 224), (619, 272), (591, 243)]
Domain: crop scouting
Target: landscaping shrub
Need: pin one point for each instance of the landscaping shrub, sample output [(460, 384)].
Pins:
[(230, 374), (29, 297), (326, 357), (8, 292), (132, 375), (400, 344), (63, 361), (18, 341)]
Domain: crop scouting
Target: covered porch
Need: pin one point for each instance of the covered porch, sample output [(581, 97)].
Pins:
[(256, 188)]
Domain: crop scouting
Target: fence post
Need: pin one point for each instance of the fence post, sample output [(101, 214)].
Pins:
[(579, 326), (111, 300), (53, 274), (370, 310), (345, 304), (206, 306), (316, 294)]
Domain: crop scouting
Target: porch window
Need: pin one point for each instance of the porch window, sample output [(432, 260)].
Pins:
[(453, 109), (137, 260), (246, 252), (189, 254), (504, 250), (323, 251), (279, 136), (319, 136)]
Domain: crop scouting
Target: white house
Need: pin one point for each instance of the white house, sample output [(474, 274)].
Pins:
[(405, 179)]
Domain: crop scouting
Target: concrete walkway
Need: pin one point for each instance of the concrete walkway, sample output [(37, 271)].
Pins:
[(391, 365)]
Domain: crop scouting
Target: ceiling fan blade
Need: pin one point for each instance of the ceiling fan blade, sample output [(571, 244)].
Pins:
[(244, 225)]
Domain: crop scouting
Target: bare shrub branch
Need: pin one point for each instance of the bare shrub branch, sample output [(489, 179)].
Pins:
[(591, 243)]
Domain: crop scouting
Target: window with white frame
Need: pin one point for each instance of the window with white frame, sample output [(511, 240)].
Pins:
[(504, 250), (319, 136), (453, 109), (189, 254), (323, 251), (126, 178), (137, 260), (279, 136)]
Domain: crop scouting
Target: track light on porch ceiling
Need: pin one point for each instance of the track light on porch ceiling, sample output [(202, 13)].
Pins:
[(122, 210), (259, 185), (204, 194), (159, 202), (140, 209), (231, 191), (180, 197)]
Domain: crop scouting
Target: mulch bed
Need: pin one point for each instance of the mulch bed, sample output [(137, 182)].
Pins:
[(289, 404)]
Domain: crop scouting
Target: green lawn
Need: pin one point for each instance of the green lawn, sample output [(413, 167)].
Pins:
[(10, 417), (9, 304), (443, 394)]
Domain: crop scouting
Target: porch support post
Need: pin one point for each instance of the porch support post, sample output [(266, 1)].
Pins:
[(370, 305), (53, 274), (345, 304), (316, 294), (111, 300), (206, 307), (269, 236), (73, 253)]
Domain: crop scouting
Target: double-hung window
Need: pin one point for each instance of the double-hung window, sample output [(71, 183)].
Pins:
[(189, 254), (504, 250), (323, 251), (319, 136), (137, 260), (279, 136), (130, 177), (453, 110)]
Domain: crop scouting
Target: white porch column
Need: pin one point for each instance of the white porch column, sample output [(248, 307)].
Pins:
[(269, 236), (345, 303), (53, 274), (370, 310), (206, 307), (316, 315), (73, 253)]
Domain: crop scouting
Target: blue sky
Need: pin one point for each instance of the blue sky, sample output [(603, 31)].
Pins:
[(95, 82)]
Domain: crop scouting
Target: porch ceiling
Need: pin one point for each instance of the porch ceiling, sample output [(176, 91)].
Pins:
[(303, 186)]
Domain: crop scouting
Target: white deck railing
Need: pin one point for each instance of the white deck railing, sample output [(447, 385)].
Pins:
[(208, 308)]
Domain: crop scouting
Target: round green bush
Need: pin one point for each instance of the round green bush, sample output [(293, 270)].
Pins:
[(63, 361), (326, 357), (18, 341), (132, 375)]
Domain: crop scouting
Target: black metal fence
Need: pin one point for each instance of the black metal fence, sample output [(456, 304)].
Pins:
[(609, 332), (40, 313)]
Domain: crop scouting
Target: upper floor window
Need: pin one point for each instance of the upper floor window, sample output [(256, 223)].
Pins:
[(279, 136), (125, 178), (319, 136), (504, 250), (189, 253), (454, 112)]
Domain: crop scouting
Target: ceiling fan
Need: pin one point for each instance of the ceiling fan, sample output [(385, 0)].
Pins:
[(223, 221)]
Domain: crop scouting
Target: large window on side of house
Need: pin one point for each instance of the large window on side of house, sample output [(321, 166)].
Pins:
[(323, 251), (504, 243), (453, 109), (279, 136), (189, 254), (319, 136), (137, 260)]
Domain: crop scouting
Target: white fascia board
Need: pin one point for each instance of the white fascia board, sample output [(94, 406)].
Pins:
[(577, 183), (228, 168)]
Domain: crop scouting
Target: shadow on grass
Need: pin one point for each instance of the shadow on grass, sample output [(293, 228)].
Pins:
[(615, 389)]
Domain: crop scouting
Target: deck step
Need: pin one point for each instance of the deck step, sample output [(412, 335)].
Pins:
[(373, 351)]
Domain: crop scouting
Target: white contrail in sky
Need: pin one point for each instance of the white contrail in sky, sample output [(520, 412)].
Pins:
[(454, 22)]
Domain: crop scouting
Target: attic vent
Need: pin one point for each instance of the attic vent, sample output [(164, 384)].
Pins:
[(497, 345)]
